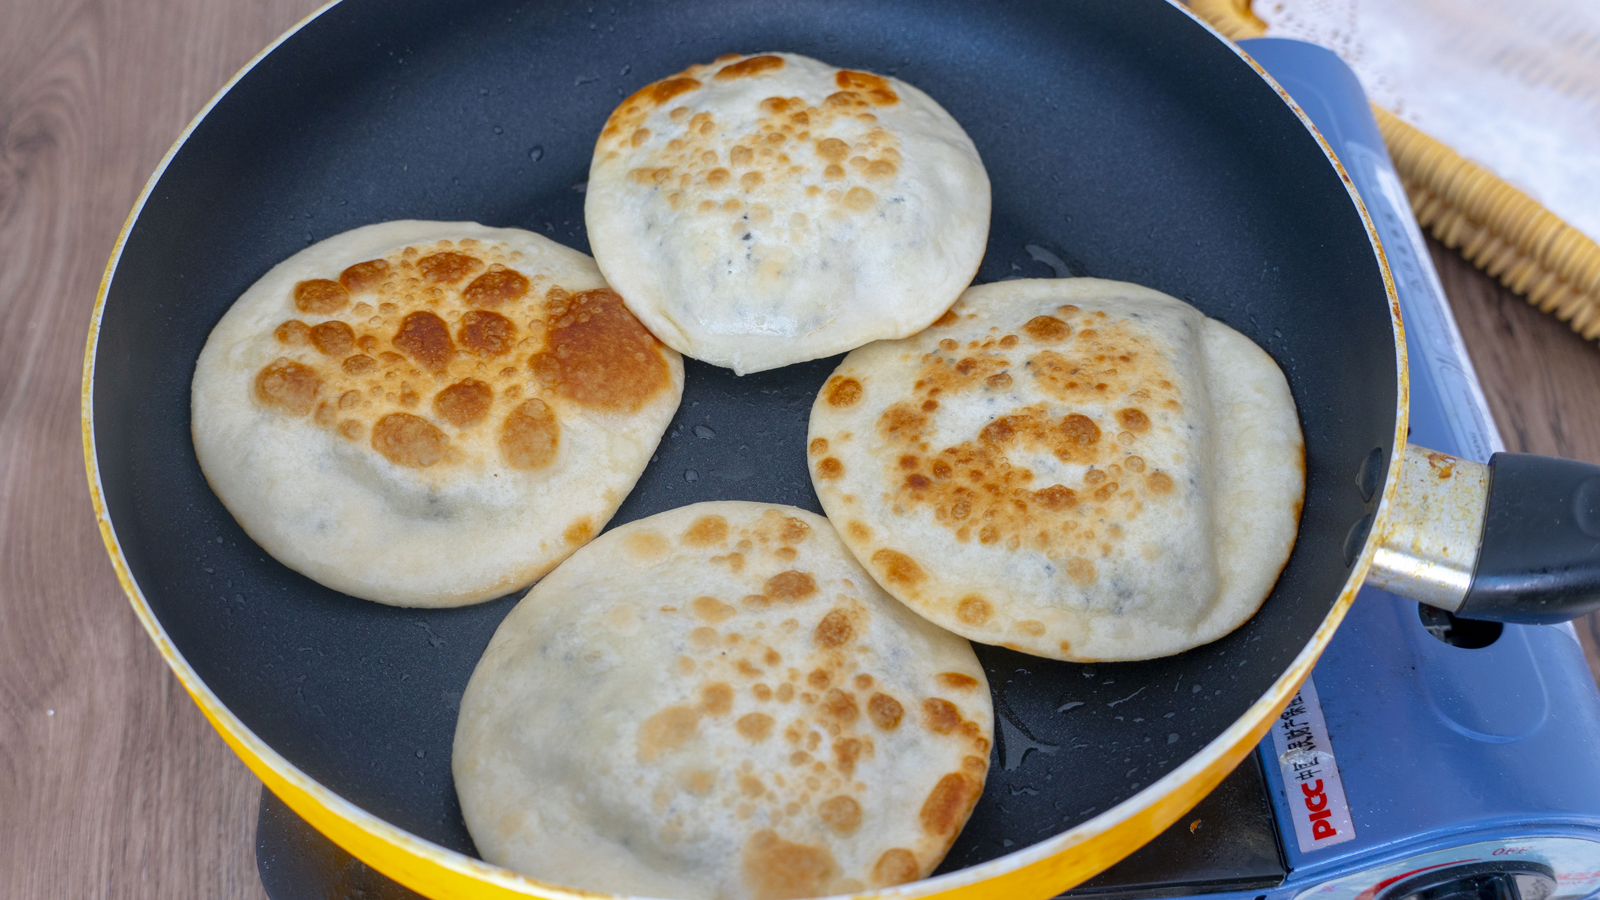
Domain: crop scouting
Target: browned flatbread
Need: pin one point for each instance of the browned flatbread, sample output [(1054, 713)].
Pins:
[(758, 211), (718, 702), (1074, 468), (429, 413)]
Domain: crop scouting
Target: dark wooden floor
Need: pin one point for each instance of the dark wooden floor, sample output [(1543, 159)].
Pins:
[(111, 783)]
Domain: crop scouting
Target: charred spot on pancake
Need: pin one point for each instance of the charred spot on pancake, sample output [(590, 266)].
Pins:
[(755, 65), (447, 266), (1159, 483), (793, 530), (859, 199), (940, 716), (320, 297), (1031, 627), (974, 610), (597, 354), (997, 432), (358, 365), (818, 446), (1079, 433), (830, 469), (846, 751), (896, 866), (408, 440), (578, 532), (666, 731), (703, 638), (874, 87), (530, 436), (1133, 420), (495, 287), (288, 386), (425, 338), (294, 332), (716, 699), (649, 545), (949, 318), (839, 705), (949, 803), (1047, 329), (487, 334), (841, 814), (776, 869), (957, 681), (754, 727), (632, 111), (834, 630), (842, 392), (698, 782), (1056, 497), (898, 568), (665, 89), (710, 609), (901, 423), (364, 276), (790, 586), (706, 531), (333, 337), (1081, 571), (464, 403), (885, 711)]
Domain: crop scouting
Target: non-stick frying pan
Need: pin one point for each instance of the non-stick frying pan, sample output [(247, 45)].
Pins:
[(1123, 140)]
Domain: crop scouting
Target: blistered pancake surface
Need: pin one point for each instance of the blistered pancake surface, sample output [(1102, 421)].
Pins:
[(1074, 468), (718, 702), (429, 413), (759, 211)]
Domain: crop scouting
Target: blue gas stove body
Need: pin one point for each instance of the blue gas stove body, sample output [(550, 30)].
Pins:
[(1448, 755)]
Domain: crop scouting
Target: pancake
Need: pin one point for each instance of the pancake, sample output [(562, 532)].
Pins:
[(718, 702), (1073, 468), (759, 211), (429, 413)]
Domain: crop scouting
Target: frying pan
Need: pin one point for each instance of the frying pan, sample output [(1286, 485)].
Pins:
[(1123, 141)]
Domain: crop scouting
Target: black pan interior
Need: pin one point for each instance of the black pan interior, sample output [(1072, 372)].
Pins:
[(1123, 141)]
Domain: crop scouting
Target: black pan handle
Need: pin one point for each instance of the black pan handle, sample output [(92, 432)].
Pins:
[(1517, 540), (1539, 560)]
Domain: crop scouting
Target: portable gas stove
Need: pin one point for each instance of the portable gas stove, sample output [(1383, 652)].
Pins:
[(1426, 757)]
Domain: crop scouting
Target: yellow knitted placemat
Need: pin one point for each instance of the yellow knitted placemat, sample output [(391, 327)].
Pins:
[(1496, 227)]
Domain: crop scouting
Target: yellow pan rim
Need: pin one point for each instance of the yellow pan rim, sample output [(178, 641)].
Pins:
[(1039, 870)]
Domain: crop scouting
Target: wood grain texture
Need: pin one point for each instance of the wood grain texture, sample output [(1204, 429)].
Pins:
[(111, 783)]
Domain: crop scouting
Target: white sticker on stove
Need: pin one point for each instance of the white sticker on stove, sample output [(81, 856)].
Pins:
[(1310, 774)]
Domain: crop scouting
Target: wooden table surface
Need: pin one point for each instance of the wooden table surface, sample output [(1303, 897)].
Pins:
[(111, 782)]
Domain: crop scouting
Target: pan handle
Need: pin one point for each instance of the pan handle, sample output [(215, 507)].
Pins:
[(1517, 540)]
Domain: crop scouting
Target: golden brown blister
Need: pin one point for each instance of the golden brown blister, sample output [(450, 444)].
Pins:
[(1076, 468), (760, 719), (414, 397)]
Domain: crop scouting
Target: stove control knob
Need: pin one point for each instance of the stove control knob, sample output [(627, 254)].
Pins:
[(1500, 880)]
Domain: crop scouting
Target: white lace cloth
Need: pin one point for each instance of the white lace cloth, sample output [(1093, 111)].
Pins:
[(1513, 85)]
